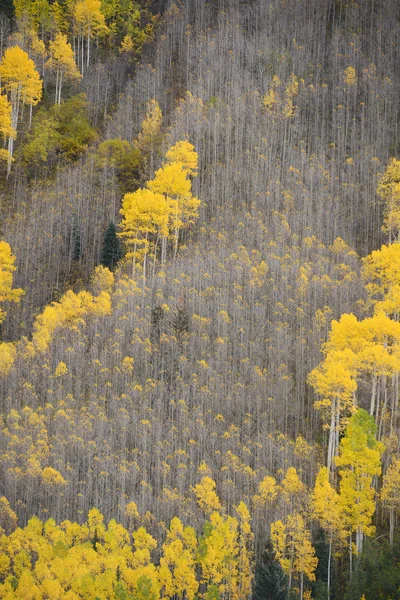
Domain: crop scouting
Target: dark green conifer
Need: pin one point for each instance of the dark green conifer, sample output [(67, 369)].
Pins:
[(76, 244), (180, 322), (7, 9), (111, 252), (270, 582)]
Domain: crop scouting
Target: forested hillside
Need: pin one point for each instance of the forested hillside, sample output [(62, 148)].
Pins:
[(200, 299)]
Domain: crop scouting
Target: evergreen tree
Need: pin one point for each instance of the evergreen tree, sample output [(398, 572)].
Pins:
[(7, 9), (270, 582), (319, 586), (76, 244), (111, 252), (180, 322)]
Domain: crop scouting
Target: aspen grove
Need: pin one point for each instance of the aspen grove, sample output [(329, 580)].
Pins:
[(199, 300)]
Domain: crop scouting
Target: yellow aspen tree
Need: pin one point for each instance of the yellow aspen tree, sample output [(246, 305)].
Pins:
[(350, 76), (62, 64), (305, 560), (6, 129), (327, 509), (22, 84), (359, 461), (293, 491), (143, 571), (37, 13), (334, 380), (145, 216), (381, 270), (291, 91), (267, 492), (89, 21), (150, 135), (206, 496), (173, 183), (278, 538), (8, 518), (245, 555), (272, 99), (389, 191), (379, 357), (177, 570), (218, 555), (69, 311), (28, 39), (102, 280), (368, 348), (183, 152), (7, 270), (293, 549), (390, 494)]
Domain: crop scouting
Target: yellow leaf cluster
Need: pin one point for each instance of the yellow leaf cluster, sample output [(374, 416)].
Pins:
[(7, 269), (207, 498), (166, 205), (62, 59), (19, 77)]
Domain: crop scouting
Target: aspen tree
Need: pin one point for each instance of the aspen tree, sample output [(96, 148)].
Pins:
[(150, 135), (89, 21), (183, 152), (381, 270), (8, 518), (207, 498), (335, 382), (359, 461), (245, 555), (327, 509), (293, 490), (68, 312), (62, 64), (172, 182), (389, 190), (6, 129), (267, 491), (390, 494), (293, 549), (8, 354), (218, 554), (23, 85), (145, 215), (28, 39), (177, 570), (7, 270)]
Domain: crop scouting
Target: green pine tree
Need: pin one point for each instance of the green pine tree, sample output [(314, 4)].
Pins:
[(111, 252), (76, 244), (270, 582), (7, 9), (180, 322)]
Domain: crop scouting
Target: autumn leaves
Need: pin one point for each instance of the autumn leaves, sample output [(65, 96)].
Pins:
[(163, 208), (366, 352), (95, 560), (22, 85)]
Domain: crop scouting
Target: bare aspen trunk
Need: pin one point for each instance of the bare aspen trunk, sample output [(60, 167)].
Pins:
[(351, 557), (359, 540), (329, 568), (331, 443), (373, 395), (391, 526), (88, 48), (56, 96), (59, 90)]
